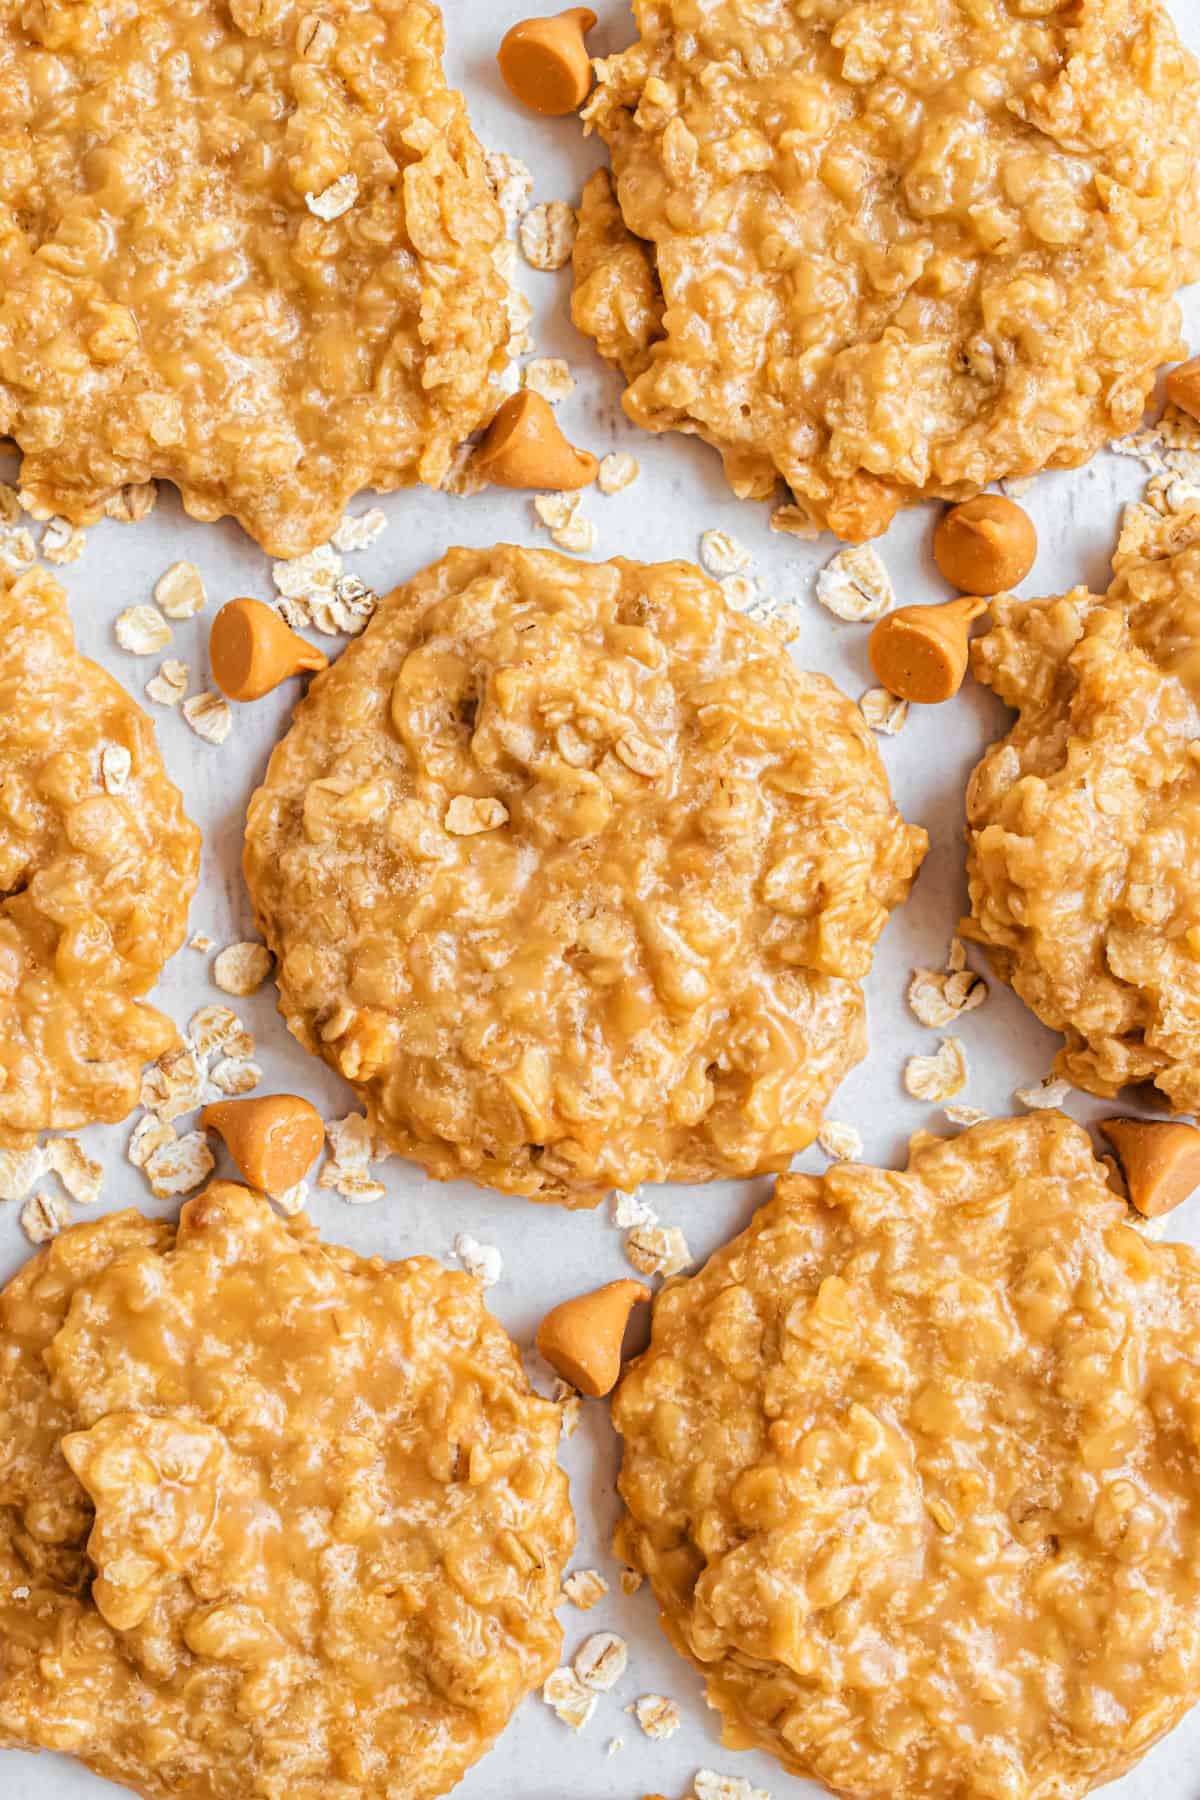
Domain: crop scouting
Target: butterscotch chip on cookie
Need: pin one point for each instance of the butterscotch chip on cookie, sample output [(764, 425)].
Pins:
[(913, 1470), (892, 250), (277, 1519), (574, 875), (1084, 821), (253, 253), (97, 867)]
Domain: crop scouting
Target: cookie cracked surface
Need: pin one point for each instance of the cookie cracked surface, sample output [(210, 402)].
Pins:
[(893, 248), (247, 247), (274, 1517), (913, 1468), (574, 875), (1084, 821), (94, 883)]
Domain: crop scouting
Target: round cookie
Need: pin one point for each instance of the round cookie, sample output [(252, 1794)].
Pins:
[(1084, 821), (276, 1518), (891, 250), (912, 1466), (97, 867), (574, 875), (254, 253)]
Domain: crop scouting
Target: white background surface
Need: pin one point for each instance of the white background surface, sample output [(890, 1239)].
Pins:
[(549, 1253)]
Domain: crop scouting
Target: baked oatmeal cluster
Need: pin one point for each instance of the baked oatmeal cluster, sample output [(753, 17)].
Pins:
[(1084, 822), (912, 1466), (97, 867), (574, 875), (274, 1518), (891, 249), (245, 246)]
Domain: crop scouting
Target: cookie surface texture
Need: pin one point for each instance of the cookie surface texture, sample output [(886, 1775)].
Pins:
[(912, 1466), (574, 875), (274, 1518), (893, 248)]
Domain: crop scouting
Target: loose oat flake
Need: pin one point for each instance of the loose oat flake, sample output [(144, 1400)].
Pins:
[(359, 531), (174, 1084), (794, 522), (577, 536), (585, 1588), (657, 1249), (841, 1142), (618, 470), (334, 200), (148, 1135), (19, 1170), (315, 572), (217, 1027), (629, 1210), (658, 1717), (483, 1261), (884, 712), (1048, 1093), (854, 585), (566, 1695), (241, 969), (550, 377), (708, 1785), (80, 1174), (62, 542), (601, 1661), (965, 1115), (937, 1077), (209, 717), (170, 684), (547, 235), (180, 592), (631, 1581), (133, 502), (511, 183), (723, 554), (43, 1217), (201, 941), (937, 998), (142, 630), (180, 1166), (235, 1075)]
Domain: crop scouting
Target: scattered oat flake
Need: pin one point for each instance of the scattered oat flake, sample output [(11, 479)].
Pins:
[(547, 235), (795, 522), (578, 535), (358, 531), (631, 1581), (334, 200), (708, 1785), (43, 1217), (572, 1413), (483, 1261), (566, 1695), (345, 1169), (723, 554), (17, 548), (629, 1210), (314, 572), (148, 1135), (142, 630), (62, 542), (201, 941), (115, 765), (80, 1174), (658, 1717), (241, 969), (180, 592), (19, 1170), (170, 684), (209, 717), (136, 500), (174, 1084), (293, 1200), (937, 1077), (469, 814), (841, 1142), (601, 1661), (657, 1249), (550, 377), (511, 183), (180, 1166), (965, 1115), (235, 1075), (884, 712), (218, 1027), (585, 1588), (854, 585), (556, 510), (360, 1190), (618, 470), (346, 611), (1050, 1092), (938, 998)]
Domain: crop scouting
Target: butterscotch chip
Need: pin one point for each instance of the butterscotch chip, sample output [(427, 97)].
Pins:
[(252, 650), (94, 884), (920, 653), (581, 1338), (280, 286), (1084, 821), (901, 280), (545, 63), (524, 447), (273, 1140), (1183, 387), (986, 545), (650, 963), (273, 1496), (1160, 1160), (933, 1429)]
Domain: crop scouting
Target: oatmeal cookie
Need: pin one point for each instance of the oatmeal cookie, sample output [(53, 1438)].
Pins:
[(574, 875), (274, 1518), (912, 1466), (243, 245), (886, 249), (1084, 822), (97, 867)]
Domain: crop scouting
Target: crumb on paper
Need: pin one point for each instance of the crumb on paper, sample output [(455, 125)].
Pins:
[(723, 554), (855, 586), (217, 1027), (938, 997), (349, 1151), (80, 1174), (618, 470), (180, 592), (142, 630), (965, 1115), (840, 1142), (235, 1076), (659, 1717), (657, 1249), (550, 377), (169, 686), (547, 235), (601, 1661), (175, 1083), (293, 1200), (884, 712), (201, 941), (940, 1076), (148, 1135), (511, 183), (1050, 1093), (566, 1695), (585, 1588), (708, 1785), (358, 531), (629, 1210), (179, 1166), (483, 1261), (614, 1746), (240, 969), (43, 1216), (631, 1581), (62, 542), (209, 716)]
